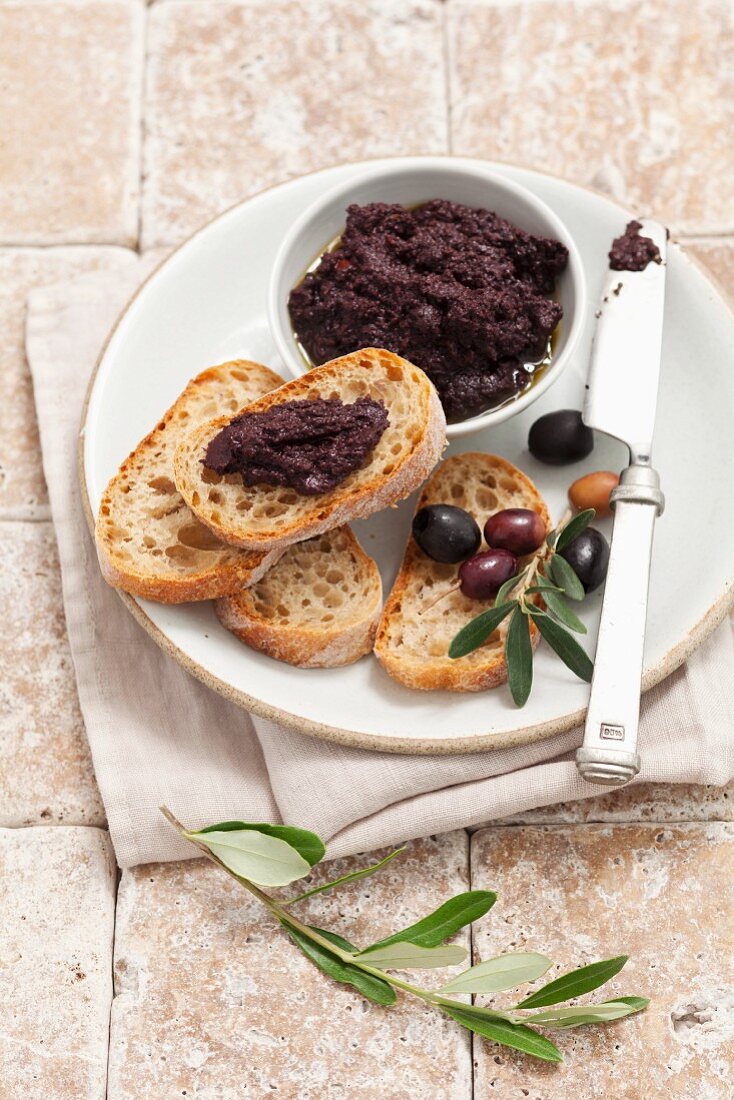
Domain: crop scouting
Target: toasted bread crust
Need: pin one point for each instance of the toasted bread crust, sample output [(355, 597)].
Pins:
[(132, 514), (385, 479), (462, 479), (303, 638), (203, 585)]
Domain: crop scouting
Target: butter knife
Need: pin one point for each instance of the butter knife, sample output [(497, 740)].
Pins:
[(621, 399)]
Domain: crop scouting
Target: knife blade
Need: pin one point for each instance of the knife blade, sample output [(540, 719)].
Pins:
[(621, 400), (622, 388)]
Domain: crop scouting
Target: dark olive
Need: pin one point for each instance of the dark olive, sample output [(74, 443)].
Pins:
[(446, 533), (483, 575), (519, 530), (560, 437), (588, 556)]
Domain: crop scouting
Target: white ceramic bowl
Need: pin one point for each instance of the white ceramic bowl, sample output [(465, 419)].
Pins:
[(410, 183)]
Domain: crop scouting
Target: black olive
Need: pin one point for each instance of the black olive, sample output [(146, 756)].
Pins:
[(588, 556), (446, 533), (560, 437)]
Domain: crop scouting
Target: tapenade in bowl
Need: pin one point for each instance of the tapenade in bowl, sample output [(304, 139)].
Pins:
[(455, 268)]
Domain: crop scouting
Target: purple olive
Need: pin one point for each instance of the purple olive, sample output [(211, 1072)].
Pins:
[(483, 575), (519, 530)]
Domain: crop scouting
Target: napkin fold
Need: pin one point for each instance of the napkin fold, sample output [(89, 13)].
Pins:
[(159, 736)]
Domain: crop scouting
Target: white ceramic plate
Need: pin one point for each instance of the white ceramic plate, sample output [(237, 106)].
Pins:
[(207, 303)]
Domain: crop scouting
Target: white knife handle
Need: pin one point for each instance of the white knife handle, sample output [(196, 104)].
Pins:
[(608, 755)]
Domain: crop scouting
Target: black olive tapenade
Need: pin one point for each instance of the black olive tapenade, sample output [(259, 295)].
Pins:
[(460, 292), (308, 445)]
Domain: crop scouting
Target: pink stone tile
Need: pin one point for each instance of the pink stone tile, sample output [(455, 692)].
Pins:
[(57, 899), (22, 486), (46, 772), (71, 77), (643, 802), (242, 95), (718, 257), (212, 1000), (634, 97), (662, 894)]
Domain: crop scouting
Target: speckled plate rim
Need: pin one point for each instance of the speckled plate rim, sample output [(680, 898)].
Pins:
[(669, 663)]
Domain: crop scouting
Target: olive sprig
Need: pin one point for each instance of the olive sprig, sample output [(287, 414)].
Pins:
[(550, 577), (263, 855)]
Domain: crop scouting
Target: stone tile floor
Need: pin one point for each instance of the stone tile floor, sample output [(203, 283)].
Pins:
[(125, 126)]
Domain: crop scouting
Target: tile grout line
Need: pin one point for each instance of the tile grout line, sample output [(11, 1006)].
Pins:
[(103, 826), (49, 246), (112, 967), (471, 831), (606, 823), (20, 516), (446, 51), (472, 1038), (702, 236), (142, 126), (687, 236)]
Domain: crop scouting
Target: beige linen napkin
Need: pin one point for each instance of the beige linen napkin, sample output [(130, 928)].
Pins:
[(157, 735)]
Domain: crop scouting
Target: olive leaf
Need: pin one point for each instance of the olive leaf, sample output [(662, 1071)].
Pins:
[(575, 983), (255, 855), (408, 956), (567, 648), (574, 528), (352, 876), (565, 577), (557, 605), (478, 1010), (544, 585), (337, 940), (578, 1015), (519, 657), (507, 587), (370, 986), (476, 632), (501, 972), (306, 843), (638, 1004), (517, 1036), (444, 921)]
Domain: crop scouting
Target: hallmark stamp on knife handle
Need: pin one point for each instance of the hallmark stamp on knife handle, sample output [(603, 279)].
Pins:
[(611, 733)]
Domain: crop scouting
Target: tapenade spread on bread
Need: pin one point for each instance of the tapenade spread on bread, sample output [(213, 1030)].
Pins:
[(310, 446)]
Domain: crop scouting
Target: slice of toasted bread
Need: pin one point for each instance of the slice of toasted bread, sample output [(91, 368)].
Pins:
[(269, 516), (317, 608), (148, 542), (413, 637)]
